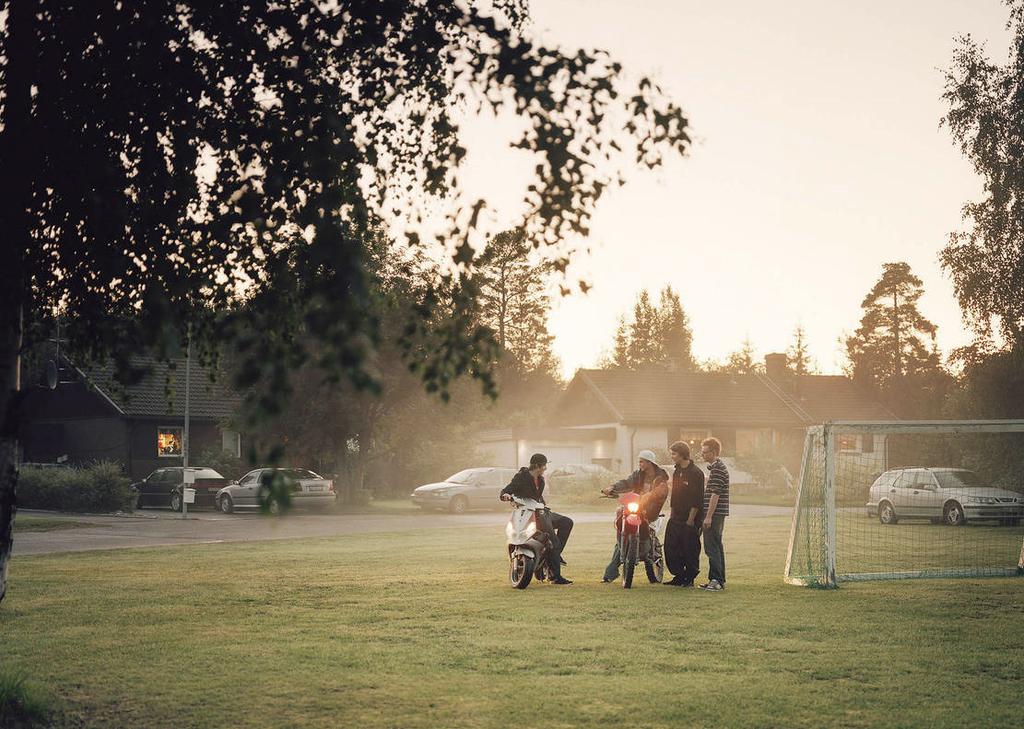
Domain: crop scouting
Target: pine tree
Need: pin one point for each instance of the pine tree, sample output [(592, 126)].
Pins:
[(514, 302), (893, 352), (675, 334), (645, 345), (743, 361), (799, 359), (620, 355)]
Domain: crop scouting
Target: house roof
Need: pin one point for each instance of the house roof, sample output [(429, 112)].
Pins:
[(657, 397), (161, 391)]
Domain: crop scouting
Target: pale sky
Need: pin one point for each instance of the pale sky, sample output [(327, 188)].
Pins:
[(817, 158)]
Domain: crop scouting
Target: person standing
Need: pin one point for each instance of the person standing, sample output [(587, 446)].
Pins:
[(682, 535), (716, 509), (528, 483)]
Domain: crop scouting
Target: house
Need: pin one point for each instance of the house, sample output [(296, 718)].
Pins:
[(606, 416), (89, 416)]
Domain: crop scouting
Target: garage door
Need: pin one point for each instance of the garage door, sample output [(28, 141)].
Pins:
[(561, 455)]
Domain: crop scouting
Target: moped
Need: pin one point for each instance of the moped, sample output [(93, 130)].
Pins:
[(639, 539), (528, 545)]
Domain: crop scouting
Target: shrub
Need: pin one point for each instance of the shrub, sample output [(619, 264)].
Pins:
[(21, 704), (226, 464), (101, 486)]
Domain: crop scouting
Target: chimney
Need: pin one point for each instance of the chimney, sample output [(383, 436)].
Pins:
[(775, 368)]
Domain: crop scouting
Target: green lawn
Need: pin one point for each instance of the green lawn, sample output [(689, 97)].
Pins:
[(26, 523), (420, 630)]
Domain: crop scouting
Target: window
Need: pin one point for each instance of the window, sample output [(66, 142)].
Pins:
[(168, 442), (752, 442), (692, 438), (846, 442), (231, 442)]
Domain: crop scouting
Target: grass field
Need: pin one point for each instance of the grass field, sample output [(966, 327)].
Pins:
[(26, 523), (420, 630)]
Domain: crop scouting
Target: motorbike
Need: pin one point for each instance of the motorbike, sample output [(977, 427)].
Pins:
[(528, 545), (639, 540)]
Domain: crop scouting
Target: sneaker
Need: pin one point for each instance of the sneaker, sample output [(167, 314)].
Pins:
[(561, 581), (605, 579), (713, 586), (674, 582)]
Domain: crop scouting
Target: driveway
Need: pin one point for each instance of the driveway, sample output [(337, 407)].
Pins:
[(155, 528)]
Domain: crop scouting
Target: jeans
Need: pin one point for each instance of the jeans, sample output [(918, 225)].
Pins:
[(714, 550), (562, 526), (682, 550)]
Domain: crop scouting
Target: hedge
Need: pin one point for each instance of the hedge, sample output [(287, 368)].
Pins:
[(101, 486)]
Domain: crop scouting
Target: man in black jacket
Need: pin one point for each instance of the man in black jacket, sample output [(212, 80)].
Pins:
[(682, 535), (528, 483)]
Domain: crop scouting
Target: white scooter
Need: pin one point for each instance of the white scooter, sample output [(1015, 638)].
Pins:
[(527, 544)]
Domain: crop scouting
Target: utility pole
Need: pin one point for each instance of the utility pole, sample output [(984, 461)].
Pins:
[(185, 441)]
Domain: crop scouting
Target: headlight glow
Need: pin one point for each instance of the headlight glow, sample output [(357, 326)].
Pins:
[(633, 507)]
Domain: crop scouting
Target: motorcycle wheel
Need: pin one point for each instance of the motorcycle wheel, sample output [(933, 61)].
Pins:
[(655, 571), (520, 571), (632, 547), (656, 565)]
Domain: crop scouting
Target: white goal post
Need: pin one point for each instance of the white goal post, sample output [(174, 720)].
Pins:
[(906, 499)]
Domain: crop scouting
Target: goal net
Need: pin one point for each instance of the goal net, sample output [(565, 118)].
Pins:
[(903, 499)]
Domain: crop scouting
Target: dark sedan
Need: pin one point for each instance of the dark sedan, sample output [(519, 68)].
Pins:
[(163, 487)]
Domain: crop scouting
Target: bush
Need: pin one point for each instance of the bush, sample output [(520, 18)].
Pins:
[(226, 464), (101, 486), (21, 704)]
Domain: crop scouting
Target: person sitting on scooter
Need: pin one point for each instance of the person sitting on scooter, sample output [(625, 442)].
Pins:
[(528, 483), (651, 482)]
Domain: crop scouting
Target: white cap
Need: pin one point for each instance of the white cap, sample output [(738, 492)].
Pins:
[(647, 456)]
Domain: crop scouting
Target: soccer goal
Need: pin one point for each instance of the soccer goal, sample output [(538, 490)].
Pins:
[(905, 499)]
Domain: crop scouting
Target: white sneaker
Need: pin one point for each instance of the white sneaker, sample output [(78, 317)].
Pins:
[(713, 586)]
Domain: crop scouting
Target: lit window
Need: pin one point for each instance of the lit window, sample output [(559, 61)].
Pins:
[(168, 442), (846, 442)]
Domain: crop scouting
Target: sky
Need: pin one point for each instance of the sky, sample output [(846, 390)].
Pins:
[(817, 157)]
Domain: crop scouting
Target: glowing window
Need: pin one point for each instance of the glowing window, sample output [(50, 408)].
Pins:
[(168, 442)]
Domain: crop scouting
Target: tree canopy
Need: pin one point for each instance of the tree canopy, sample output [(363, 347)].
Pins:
[(986, 119), (656, 336), (174, 157)]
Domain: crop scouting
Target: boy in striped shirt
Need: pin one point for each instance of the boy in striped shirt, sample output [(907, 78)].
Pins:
[(716, 508)]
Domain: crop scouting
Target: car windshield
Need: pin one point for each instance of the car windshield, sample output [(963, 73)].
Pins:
[(958, 479), (206, 473), (300, 473), (461, 476)]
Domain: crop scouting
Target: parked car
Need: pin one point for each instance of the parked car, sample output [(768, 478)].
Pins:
[(473, 488), (163, 487), (307, 490), (952, 496)]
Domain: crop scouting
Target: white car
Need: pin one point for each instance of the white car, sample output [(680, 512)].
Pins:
[(952, 496), (473, 488)]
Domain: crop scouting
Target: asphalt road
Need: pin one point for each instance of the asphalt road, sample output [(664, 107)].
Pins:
[(155, 528)]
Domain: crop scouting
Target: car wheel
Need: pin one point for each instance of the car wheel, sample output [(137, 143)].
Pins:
[(887, 514), (226, 504), (175, 501), (953, 514), (458, 505)]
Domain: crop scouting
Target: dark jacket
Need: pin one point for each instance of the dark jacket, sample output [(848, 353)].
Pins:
[(652, 493), (687, 492), (523, 486)]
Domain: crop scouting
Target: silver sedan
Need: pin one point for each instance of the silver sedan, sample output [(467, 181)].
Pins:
[(306, 489), (952, 496)]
